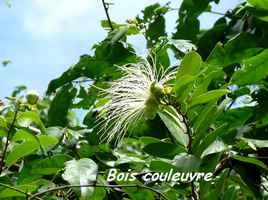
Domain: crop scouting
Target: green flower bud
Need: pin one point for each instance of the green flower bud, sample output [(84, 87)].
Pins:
[(32, 97)]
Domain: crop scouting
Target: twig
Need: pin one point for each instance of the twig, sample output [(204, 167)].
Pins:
[(34, 196), (211, 11), (2, 160), (189, 148), (188, 131), (194, 195), (107, 14)]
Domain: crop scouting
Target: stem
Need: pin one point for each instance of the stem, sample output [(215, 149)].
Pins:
[(185, 121), (34, 196), (194, 195), (189, 147), (107, 14), (2, 160)]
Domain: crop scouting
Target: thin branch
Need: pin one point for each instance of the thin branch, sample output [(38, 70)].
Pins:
[(107, 14), (2, 160), (34, 196), (211, 11), (194, 194)]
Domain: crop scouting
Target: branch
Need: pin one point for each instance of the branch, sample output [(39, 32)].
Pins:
[(36, 195), (185, 119), (107, 14), (194, 194), (2, 160)]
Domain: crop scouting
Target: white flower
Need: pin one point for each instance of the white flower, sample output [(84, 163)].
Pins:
[(133, 97)]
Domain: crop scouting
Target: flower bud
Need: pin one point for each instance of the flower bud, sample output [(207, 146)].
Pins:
[(32, 97)]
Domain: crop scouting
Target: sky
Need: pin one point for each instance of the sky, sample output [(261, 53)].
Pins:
[(43, 38)]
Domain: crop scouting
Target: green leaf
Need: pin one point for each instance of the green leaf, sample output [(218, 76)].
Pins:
[(204, 119), (256, 142), (190, 65), (183, 81), (188, 28), (47, 140), (98, 194), (148, 140), (187, 162), (250, 160), (22, 135), (253, 70), (261, 4), (57, 113), (20, 151), (6, 62), (200, 146), (175, 125), (155, 30), (216, 147), (9, 193), (118, 34), (81, 172), (162, 149), (161, 166), (237, 49), (208, 96), (49, 165), (26, 119)]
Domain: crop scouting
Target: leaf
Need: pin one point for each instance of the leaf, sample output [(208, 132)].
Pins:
[(162, 149), (183, 46), (81, 172), (183, 81), (26, 119), (261, 4), (175, 125), (118, 34), (209, 38), (20, 151), (10, 193), (188, 28), (30, 143), (250, 160), (6, 62), (161, 166), (200, 146), (155, 30), (57, 113), (187, 162), (22, 135), (148, 140), (49, 165), (259, 9), (190, 65), (208, 96), (98, 194), (47, 140), (253, 70), (256, 142), (216, 147), (204, 119), (237, 49)]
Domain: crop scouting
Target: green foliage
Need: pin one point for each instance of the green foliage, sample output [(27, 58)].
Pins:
[(212, 117)]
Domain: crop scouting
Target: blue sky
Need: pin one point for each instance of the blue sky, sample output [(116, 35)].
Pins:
[(43, 38)]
